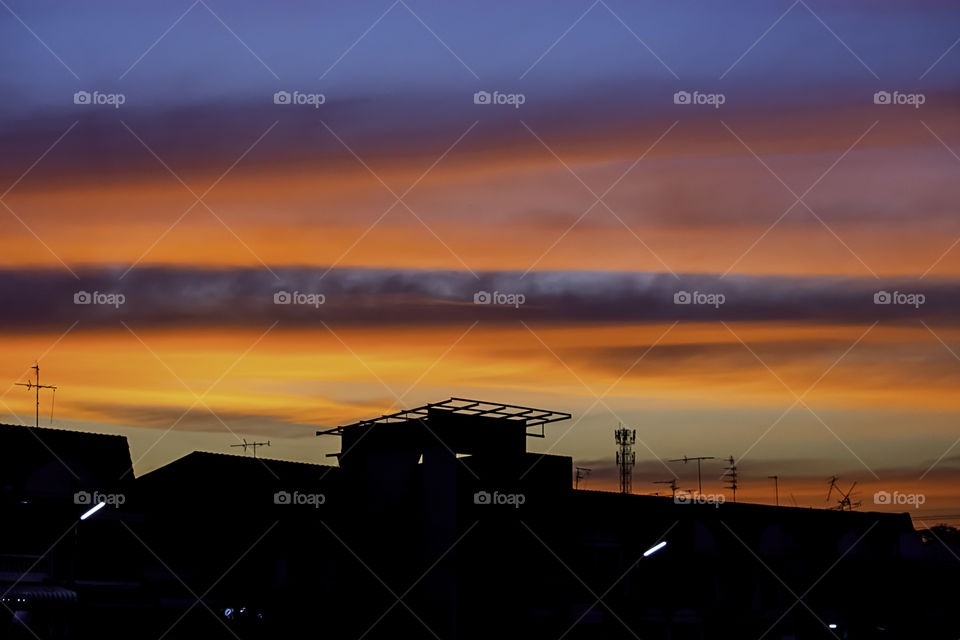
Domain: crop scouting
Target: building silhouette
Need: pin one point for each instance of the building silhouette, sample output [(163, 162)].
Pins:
[(436, 522)]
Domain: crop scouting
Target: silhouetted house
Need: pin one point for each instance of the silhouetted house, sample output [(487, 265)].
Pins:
[(56, 570), (244, 534)]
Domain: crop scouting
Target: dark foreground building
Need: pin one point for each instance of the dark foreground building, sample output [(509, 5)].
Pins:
[(438, 523)]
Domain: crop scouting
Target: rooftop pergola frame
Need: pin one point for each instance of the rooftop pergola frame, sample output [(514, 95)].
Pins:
[(529, 416)]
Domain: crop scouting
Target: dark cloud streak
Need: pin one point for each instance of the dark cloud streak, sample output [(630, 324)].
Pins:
[(244, 297)]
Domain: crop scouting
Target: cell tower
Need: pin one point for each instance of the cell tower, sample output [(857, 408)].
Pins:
[(626, 458), (731, 476)]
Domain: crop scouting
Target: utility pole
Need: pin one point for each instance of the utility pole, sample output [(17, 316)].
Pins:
[(37, 386), (686, 459), (776, 487)]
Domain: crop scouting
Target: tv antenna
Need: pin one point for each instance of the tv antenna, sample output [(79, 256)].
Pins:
[(37, 386), (732, 477), (674, 486), (844, 503), (252, 445), (698, 459), (776, 487), (626, 457), (582, 473)]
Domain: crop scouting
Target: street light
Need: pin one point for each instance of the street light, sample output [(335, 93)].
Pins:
[(652, 550), (93, 510)]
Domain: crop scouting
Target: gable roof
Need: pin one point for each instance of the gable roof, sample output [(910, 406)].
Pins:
[(39, 460), (215, 469)]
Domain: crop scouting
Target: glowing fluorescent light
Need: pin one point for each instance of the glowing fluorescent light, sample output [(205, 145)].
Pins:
[(652, 550), (93, 510), (832, 626)]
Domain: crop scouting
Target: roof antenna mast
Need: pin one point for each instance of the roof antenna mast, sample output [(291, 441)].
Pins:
[(698, 460), (582, 473), (252, 445), (37, 386), (674, 486), (732, 476)]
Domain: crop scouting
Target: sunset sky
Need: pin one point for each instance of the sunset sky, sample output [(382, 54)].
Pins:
[(399, 198)]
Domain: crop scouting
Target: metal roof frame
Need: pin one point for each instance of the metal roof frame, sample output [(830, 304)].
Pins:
[(530, 416)]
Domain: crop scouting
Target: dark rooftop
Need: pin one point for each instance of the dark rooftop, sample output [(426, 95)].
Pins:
[(529, 416)]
